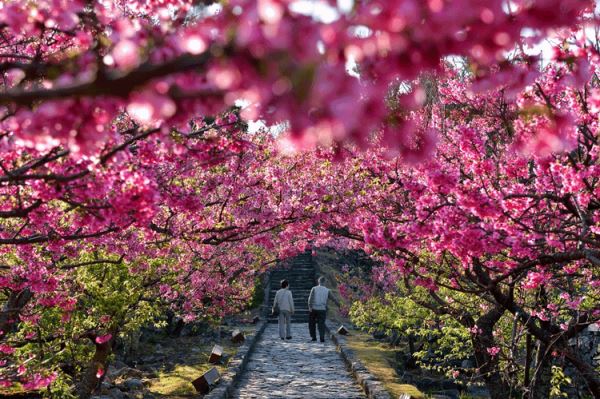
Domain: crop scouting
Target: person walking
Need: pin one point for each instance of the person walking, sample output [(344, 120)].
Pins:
[(284, 304), (317, 307)]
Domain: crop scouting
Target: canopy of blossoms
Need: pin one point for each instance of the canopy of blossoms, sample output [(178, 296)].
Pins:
[(455, 141)]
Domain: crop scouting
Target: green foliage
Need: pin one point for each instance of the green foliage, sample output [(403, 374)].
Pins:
[(258, 294), (388, 314), (440, 340), (61, 388), (114, 300), (558, 380)]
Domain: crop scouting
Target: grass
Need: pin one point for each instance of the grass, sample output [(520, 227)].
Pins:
[(379, 358), (176, 382)]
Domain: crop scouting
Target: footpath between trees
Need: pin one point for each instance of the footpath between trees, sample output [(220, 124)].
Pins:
[(296, 369)]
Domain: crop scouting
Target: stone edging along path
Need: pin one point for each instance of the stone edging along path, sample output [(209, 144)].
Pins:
[(236, 366), (372, 386)]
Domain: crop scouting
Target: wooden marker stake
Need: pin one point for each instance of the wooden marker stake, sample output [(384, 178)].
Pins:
[(206, 381), (342, 330), (216, 355), (237, 336)]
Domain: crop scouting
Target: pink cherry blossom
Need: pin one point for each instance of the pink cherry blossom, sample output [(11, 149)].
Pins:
[(493, 351), (126, 54), (103, 338)]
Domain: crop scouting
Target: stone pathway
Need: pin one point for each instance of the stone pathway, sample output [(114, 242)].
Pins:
[(296, 368)]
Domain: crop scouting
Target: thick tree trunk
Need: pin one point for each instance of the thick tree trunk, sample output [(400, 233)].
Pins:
[(487, 364), (9, 317), (411, 344), (175, 326), (89, 379), (133, 345), (488, 368), (586, 370)]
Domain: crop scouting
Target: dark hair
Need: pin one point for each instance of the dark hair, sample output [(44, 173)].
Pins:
[(284, 283)]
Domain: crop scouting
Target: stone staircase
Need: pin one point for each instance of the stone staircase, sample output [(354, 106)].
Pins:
[(300, 272)]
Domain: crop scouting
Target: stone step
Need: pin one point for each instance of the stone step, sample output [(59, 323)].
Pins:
[(299, 312), (298, 305), (293, 272), (304, 280), (291, 278), (294, 320), (298, 301), (296, 296), (296, 314), (294, 291), (294, 268), (277, 281), (297, 283)]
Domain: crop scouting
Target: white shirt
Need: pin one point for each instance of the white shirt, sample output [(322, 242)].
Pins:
[(317, 299)]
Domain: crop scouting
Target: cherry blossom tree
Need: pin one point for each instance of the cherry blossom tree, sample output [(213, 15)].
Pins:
[(504, 210), (125, 151), (182, 225)]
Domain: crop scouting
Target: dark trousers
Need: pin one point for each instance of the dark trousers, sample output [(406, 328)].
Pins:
[(317, 317)]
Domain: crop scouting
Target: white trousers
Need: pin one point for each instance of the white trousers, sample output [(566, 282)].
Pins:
[(285, 321)]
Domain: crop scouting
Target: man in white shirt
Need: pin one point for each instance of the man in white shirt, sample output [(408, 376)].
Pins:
[(285, 304), (317, 306)]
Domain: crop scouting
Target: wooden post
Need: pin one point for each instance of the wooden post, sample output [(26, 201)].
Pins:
[(216, 355), (237, 336), (206, 380)]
